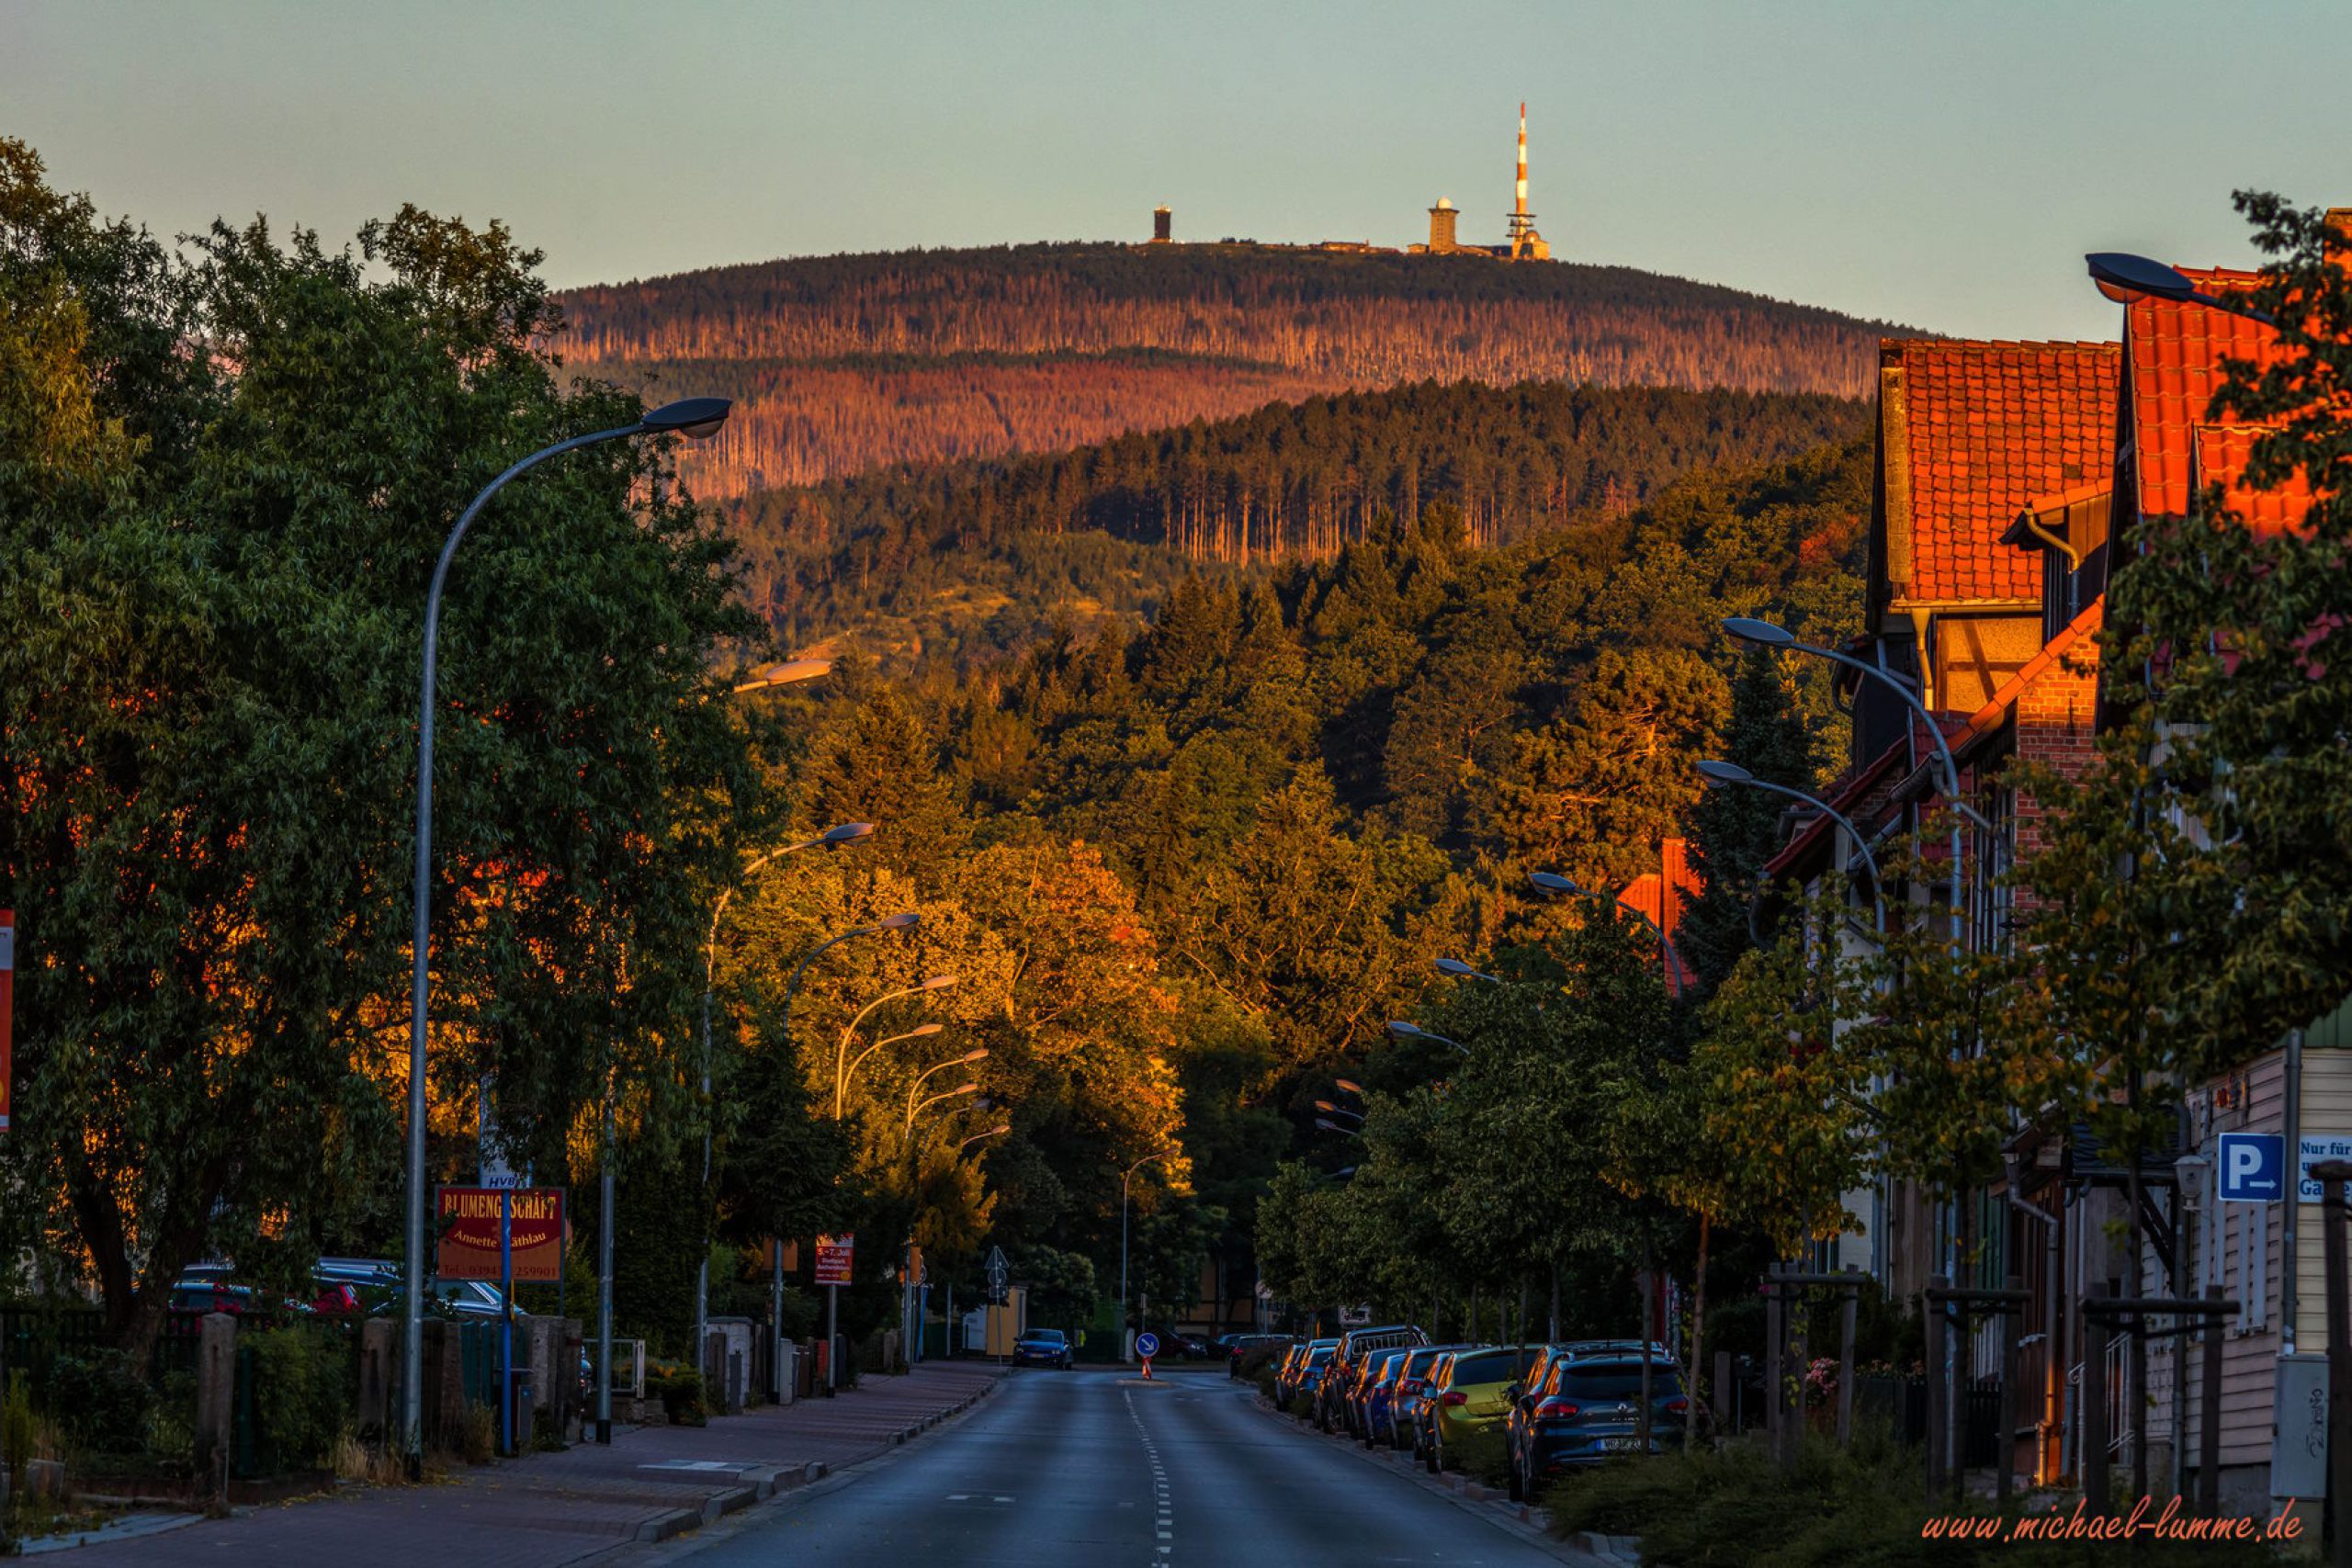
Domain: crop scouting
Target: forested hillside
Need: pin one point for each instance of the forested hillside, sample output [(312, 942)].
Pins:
[(843, 364), (1000, 547)]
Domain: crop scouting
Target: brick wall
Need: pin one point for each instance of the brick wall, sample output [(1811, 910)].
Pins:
[(2052, 723)]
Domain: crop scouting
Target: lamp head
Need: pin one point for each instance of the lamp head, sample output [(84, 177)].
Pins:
[(1763, 634), (1552, 881), (1454, 968), (1327, 1125), (1325, 1105), (789, 672), (1716, 772), (1350, 1087), (901, 922), (1000, 1127), (1404, 1031), (965, 1089), (978, 1054), (2137, 274), (697, 419), (921, 1030), (847, 833), (938, 982)]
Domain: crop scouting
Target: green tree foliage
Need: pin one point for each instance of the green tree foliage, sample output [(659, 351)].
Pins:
[(223, 486), (1734, 830)]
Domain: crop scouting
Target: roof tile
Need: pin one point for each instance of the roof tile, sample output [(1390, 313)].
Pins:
[(1991, 426)]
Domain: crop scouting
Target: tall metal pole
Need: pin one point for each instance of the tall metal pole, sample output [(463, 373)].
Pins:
[(421, 940), (605, 1280)]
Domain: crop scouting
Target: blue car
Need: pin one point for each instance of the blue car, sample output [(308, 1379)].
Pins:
[(1589, 1411), (1042, 1348)]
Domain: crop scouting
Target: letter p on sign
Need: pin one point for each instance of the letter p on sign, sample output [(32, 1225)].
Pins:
[(2253, 1168)]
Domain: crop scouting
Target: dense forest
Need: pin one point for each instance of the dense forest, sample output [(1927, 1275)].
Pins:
[(928, 558), (844, 364)]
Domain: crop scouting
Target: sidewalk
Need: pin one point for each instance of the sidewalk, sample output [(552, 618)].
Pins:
[(547, 1510)]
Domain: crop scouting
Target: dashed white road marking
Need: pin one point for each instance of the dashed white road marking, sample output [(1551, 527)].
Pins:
[(1163, 1525)]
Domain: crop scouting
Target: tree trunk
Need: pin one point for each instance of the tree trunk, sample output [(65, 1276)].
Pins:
[(1642, 1280)]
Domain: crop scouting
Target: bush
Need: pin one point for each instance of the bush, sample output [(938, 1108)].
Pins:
[(301, 1397), (1484, 1456), (680, 1395), (101, 1400), (16, 1430)]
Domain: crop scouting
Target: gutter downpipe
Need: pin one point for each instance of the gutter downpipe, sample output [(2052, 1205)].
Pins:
[(2292, 1113)]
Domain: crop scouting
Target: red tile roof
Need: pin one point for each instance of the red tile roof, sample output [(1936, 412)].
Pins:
[(2176, 351), (1977, 432), (1848, 795), (1663, 893)]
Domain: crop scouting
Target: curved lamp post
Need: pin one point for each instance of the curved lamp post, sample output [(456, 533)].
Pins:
[(840, 837), (1720, 773), (1326, 1124), (1764, 634), (1454, 969), (782, 672), (694, 417), (1402, 1029), (1552, 881), (841, 1066), (995, 1131), (924, 1031), (1124, 1177), (978, 1054), (1328, 1108)]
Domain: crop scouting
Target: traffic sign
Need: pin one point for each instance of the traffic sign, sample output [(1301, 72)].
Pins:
[(1146, 1345), (2253, 1168)]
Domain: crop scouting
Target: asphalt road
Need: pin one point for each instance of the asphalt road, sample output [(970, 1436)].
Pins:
[(1074, 1470)]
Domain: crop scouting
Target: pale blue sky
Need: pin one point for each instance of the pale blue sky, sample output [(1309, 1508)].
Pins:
[(1943, 165)]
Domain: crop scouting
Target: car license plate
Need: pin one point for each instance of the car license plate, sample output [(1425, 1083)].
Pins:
[(1619, 1445)]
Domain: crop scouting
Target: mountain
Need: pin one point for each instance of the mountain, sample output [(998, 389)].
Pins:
[(846, 364), (944, 558)]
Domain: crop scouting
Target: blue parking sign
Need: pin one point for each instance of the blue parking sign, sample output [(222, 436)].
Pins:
[(2253, 1168)]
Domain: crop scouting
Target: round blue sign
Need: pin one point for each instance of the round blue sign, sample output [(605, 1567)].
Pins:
[(1146, 1345)]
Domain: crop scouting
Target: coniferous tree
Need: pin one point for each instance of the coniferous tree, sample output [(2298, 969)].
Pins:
[(1734, 828)]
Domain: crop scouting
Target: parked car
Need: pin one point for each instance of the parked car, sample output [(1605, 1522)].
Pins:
[(1286, 1373), (1588, 1409), (1185, 1346), (1244, 1353), (1423, 1403), (1354, 1348), (1307, 1376), (1042, 1348), (1372, 1402), (1410, 1386), (1472, 1395)]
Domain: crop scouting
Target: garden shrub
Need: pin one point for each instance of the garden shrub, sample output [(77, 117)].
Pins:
[(680, 1396), (301, 1397), (101, 1401), (1484, 1456)]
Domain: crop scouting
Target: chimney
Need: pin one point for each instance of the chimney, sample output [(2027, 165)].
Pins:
[(1159, 226)]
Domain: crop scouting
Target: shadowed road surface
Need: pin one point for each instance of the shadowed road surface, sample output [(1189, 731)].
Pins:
[(1073, 1469)]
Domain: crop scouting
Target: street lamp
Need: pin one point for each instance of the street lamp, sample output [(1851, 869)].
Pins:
[(1454, 969), (1404, 1031), (1552, 881), (1328, 1108), (1349, 1085), (843, 1066), (692, 417), (1764, 634), (782, 672), (1124, 1178), (995, 1131), (2143, 275), (835, 838), (1720, 773), (978, 1054), (1327, 1125)]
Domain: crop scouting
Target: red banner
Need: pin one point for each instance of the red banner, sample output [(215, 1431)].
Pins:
[(8, 1001), (469, 1228), (835, 1256)]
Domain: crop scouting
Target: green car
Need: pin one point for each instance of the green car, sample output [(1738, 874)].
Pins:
[(1472, 1394)]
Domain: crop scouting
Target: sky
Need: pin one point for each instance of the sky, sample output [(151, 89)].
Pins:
[(1939, 165)]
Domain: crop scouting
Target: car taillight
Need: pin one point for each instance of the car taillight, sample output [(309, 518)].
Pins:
[(1677, 1405), (1454, 1396), (1410, 1385), (1558, 1409)]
